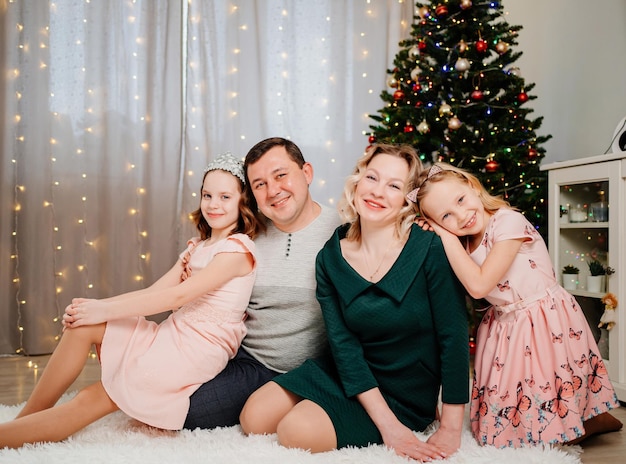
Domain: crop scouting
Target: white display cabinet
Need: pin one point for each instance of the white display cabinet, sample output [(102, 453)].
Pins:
[(587, 221)]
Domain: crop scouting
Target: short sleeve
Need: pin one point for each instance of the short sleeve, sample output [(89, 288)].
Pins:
[(509, 224), (191, 244), (237, 243)]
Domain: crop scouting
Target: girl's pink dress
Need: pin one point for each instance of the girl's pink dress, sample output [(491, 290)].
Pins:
[(538, 372), (149, 370)]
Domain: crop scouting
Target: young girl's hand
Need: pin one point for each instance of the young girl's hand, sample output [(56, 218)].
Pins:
[(85, 311), (440, 230), (424, 224)]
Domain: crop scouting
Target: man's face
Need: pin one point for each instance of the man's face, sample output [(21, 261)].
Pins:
[(281, 188)]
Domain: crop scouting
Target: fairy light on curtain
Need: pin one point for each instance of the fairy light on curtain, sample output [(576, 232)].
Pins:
[(15, 255), (68, 183), (183, 123), (18, 190), (144, 148)]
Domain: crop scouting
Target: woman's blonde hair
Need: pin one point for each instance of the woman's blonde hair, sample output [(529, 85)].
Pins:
[(444, 171), (347, 208)]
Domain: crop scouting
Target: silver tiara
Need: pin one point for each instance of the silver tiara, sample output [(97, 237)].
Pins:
[(227, 162)]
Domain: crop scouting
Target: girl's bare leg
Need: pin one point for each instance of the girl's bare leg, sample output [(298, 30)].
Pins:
[(307, 426), (265, 408), (59, 422), (65, 365)]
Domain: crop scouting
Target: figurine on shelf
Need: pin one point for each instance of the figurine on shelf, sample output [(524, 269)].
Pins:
[(608, 317)]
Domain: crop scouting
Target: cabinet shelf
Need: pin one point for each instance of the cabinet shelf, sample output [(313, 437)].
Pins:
[(580, 292), (584, 225), (596, 187)]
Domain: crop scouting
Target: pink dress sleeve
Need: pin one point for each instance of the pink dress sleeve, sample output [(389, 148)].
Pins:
[(509, 224)]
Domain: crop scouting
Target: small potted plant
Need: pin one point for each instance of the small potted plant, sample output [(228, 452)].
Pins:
[(597, 271), (570, 277), (596, 268)]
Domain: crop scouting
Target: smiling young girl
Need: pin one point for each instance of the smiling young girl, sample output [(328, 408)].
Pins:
[(538, 374), (149, 370)]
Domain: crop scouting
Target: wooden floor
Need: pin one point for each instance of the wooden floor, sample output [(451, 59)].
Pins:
[(18, 376)]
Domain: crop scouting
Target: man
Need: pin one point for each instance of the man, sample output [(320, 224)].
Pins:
[(285, 324)]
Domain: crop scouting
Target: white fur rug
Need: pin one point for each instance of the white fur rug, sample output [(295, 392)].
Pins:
[(119, 439)]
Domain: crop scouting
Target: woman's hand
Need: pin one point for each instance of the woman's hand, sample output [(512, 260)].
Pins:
[(84, 311), (448, 435), (447, 440), (405, 443)]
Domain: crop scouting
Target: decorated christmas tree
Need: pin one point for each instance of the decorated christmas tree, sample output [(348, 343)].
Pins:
[(457, 97)]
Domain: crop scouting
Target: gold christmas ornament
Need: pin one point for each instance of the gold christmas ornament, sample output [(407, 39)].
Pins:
[(462, 64), (502, 47), (454, 123)]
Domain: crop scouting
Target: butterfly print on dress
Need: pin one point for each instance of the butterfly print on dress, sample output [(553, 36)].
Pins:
[(564, 391), (598, 371), (514, 413), (503, 287), (575, 335)]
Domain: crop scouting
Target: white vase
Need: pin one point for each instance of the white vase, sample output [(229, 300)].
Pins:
[(570, 281), (595, 284)]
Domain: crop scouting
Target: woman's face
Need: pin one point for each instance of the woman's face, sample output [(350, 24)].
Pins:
[(380, 194)]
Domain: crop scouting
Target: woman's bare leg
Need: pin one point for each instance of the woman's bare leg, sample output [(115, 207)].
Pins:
[(65, 365), (59, 422), (307, 426), (265, 408)]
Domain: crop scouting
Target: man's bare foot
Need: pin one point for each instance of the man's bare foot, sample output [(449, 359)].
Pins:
[(602, 423)]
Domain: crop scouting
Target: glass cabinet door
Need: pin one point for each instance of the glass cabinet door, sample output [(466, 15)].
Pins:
[(582, 235)]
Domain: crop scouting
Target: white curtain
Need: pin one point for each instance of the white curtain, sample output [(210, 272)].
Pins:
[(112, 109)]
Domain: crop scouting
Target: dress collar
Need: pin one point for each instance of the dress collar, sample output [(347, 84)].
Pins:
[(395, 283)]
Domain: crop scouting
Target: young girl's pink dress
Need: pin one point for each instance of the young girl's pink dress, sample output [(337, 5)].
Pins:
[(149, 370), (538, 372)]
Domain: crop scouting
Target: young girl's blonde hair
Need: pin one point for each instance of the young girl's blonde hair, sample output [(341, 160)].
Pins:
[(347, 208), (444, 171)]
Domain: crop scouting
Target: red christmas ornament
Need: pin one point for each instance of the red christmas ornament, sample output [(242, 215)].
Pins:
[(441, 10), (532, 154), (398, 95), (477, 95), (421, 45), (522, 97), (409, 128), (371, 139), (492, 166), (481, 46), (472, 347)]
